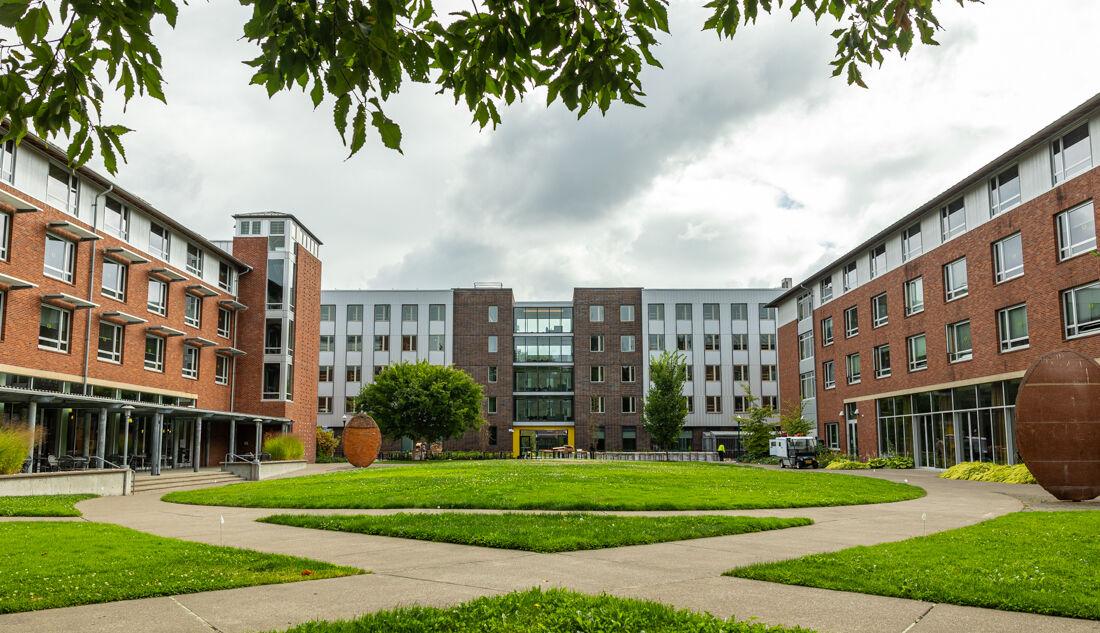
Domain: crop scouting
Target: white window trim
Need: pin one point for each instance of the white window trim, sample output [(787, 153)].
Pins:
[(954, 356), (1085, 246), (879, 371), (828, 379), (66, 327), (158, 365), (70, 255), (193, 372), (909, 309), (1007, 344), (920, 365), (877, 322), (114, 357), (193, 321), (951, 294), (1000, 276), (114, 293), (1066, 294)]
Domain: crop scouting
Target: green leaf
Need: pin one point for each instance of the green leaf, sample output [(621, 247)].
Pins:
[(340, 115), (388, 130), (358, 129), (11, 12)]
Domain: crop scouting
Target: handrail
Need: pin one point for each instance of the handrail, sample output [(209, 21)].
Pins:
[(233, 457), (105, 463)]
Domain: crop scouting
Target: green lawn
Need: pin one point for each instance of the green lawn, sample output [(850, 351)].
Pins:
[(558, 485), (1038, 562), (42, 505), (60, 564), (539, 532), (536, 611)]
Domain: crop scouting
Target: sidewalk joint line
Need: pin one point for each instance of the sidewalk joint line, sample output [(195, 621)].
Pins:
[(919, 618), (442, 582), (196, 616)]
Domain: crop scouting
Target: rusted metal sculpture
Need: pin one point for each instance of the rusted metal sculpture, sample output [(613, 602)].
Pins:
[(362, 439), (1058, 424)]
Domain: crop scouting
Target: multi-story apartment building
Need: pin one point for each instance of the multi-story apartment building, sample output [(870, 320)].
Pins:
[(561, 372), (147, 332), (914, 343)]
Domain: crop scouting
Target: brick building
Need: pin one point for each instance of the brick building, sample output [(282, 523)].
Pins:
[(129, 338), (914, 343)]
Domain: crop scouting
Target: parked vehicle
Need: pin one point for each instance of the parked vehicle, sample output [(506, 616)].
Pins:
[(794, 452)]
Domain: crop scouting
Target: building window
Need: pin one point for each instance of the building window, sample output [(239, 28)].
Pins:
[(225, 277), (492, 344), (805, 345), (878, 260), (958, 341), (656, 312), (378, 369), (158, 297), (381, 343), (436, 342), (826, 331), (116, 219), (806, 385), (952, 219), (324, 404), (354, 343), (770, 402), (382, 313), (110, 342), (492, 436), (766, 313), (1076, 231), (160, 241), (911, 245), (492, 374), (595, 314), (7, 162), (271, 381), (740, 404), (221, 370), (954, 279), (3, 302), (805, 306), (493, 314), (630, 404), (626, 343), (275, 281), (768, 373), (740, 342), (1012, 327), (740, 373), (918, 352), (629, 373), (353, 374), (851, 322), (712, 373), (408, 342), (882, 361), (1004, 191), (630, 438), (409, 313), (114, 279), (349, 404), (328, 343), (355, 313), (596, 373), (154, 353), (1071, 155), (710, 312), (828, 374), (491, 405), (683, 311), (879, 315), (767, 342), (1008, 258), (190, 362), (225, 323), (851, 362), (61, 188), (832, 435), (714, 404), (826, 289), (437, 312), (251, 227), (914, 296), (59, 260), (626, 313), (596, 343), (689, 402), (597, 404), (325, 374), (192, 312), (683, 342), (849, 277), (739, 311), (194, 260), (5, 234), (1081, 306), (690, 375)]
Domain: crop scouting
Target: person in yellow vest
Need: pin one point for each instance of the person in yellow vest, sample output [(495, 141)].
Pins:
[(721, 452)]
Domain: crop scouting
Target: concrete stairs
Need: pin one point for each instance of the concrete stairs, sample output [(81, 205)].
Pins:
[(183, 480)]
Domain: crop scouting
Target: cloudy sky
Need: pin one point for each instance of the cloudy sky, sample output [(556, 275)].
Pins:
[(748, 164)]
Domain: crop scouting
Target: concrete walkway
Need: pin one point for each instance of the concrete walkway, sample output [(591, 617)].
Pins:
[(685, 574)]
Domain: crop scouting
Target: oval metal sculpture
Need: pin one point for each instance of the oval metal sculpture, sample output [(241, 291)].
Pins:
[(362, 439), (1058, 424)]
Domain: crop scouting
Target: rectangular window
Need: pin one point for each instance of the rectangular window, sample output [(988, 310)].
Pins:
[(225, 323), (221, 371), (952, 219), (1008, 258), (114, 279), (349, 404), (711, 342), (437, 312), (740, 373), (911, 245), (712, 373), (832, 435), (355, 313), (879, 316), (805, 345), (436, 342), (492, 344), (61, 187), (325, 373), (382, 312), (1081, 310), (954, 279), (710, 311), (110, 342), (116, 219), (408, 342), (683, 342), (630, 438), (766, 313), (60, 258), (826, 331), (225, 277), (492, 377), (740, 342), (3, 301), (409, 312), (1071, 155), (270, 382), (850, 277), (1012, 327), (595, 314), (328, 313), (1076, 231), (767, 342), (826, 289), (626, 313), (353, 374), (683, 311), (630, 404), (354, 343), (7, 162), (690, 372), (805, 306), (491, 404), (656, 312), (160, 241), (595, 343), (878, 260), (851, 322), (324, 404), (493, 314), (689, 402), (714, 404), (328, 343), (914, 296), (276, 279), (378, 369), (154, 353), (958, 341), (740, 403), (1004, 191), (5, 234), (597, 404), (806, 385), (828, 374), (882, 361), (596, 373), (194, 260), (739, 311), (626, 343), (190, 362), (192, 313), (769, 373), (851, 362), (629, 373)]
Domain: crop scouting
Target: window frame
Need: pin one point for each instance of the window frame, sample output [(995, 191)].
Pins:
[(1004, 339), (806, 345), (164, 253), (807, 383), (853, 378), (410, 312), (595, 314), (626, 313), (655, 311), (1059, 173), (227, 331), (630, 404), (628, 374), (597, 405), (1000, 273), (325, 373), (327, 343), (712, 373), (741, 309), (118, 293), (1076, 330), (826, 289), (910, 308), (1062, 230), (769, 373), (949, 211), (190, 351), (381, 313), (879, 353), (409, 343), (876, 259), (684, 342), (683, 312), (63, 342), (596, 374), (951, 289), (715, 312), (596, 343), (494, 313), (916, 364), (659, 340), (437, 342), (827, 332), (828, 374), (194, 267), (908, 251), (714, 404), (114, 354), (712, 342), (996, 205), (955, 354), (191, 317), (851, 321), (220, 377), (157, 364), (160, 308), (69, 255), (739, 341), (767, 342), (5, 235), (804, 306), (353, 343), (878, 301), (437, 312), (849, 283)]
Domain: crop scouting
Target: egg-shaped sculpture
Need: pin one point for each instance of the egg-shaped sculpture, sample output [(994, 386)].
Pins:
[(361, 439), (1058, 424)]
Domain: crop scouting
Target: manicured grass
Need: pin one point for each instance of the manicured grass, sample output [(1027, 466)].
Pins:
[(536, 611), (1038, 562), (42, 505), (557, 485), (539, 532), (60, 564)]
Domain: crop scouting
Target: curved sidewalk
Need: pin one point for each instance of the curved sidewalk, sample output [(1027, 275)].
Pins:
[(685, 573)]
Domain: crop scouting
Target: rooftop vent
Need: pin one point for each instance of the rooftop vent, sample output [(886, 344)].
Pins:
[(488, 284)]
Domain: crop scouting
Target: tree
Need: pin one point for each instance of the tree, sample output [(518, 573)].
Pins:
[(756, 426), (422, 402), (664, 410), (792, 421), (57, 60)]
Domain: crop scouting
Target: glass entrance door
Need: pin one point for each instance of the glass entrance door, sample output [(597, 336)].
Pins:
[(937, 435)]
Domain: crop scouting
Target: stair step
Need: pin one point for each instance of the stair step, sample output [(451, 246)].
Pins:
[(183, 481)]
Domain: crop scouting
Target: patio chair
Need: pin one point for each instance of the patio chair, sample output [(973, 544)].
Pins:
[(52, 464)]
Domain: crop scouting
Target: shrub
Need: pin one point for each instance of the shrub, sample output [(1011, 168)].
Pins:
[(284, 447), (984, 471), (14, 440), (326, 444), (846, 464), (897, 461)]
